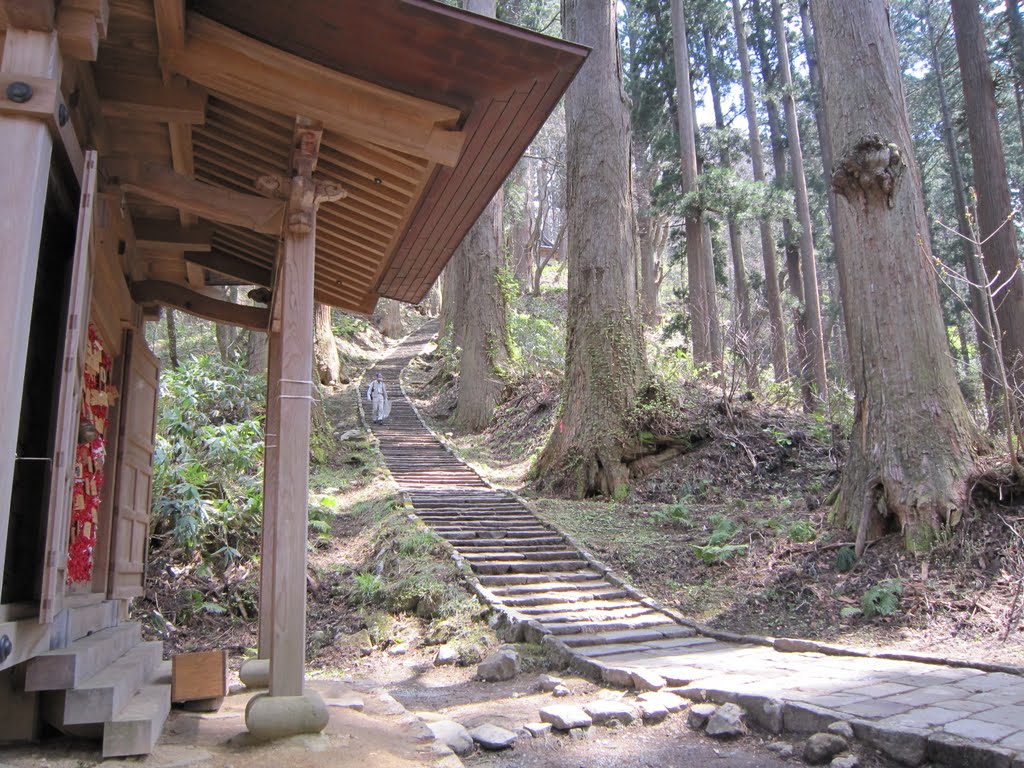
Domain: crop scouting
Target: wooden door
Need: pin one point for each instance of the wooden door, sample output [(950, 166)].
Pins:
[(62, 477), (134, 469)]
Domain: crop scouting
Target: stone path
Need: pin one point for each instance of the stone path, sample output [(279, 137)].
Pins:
[(551, 591)]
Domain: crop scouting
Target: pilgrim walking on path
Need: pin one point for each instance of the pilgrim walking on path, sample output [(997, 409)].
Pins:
[(380, 404)]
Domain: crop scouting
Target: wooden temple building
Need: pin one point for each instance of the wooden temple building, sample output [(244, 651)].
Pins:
[(326, 150)]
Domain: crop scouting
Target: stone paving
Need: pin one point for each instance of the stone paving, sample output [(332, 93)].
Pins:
[(549, 590)]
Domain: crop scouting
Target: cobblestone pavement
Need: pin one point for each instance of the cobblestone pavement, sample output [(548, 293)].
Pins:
[(550, 591)]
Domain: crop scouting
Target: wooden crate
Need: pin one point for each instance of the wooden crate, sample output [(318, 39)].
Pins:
[(196, 676)]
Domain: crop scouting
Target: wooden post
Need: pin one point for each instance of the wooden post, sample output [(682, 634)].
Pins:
[(294, 394), (272, 430), (24, 169)]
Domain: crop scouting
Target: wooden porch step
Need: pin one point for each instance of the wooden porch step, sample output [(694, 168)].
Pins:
[(135, 729), (109, 690), (67, 668)]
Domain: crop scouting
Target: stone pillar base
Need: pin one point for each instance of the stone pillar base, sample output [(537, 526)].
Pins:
[(255, 673), (274, 717)]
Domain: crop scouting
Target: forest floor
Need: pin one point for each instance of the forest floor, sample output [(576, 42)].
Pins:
[(362, 631), (735, 532)]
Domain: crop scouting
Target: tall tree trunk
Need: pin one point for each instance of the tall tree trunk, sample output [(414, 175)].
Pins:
[(778, 143), (745, 342), (701, 280), (453, 297), (975, 273), (913, 443), (325, 348), (521, 264), (812, 302), (390, 312), (256, 352), (605, 363), (996, 229), (432, 303), (485, 344), (172, 337), (780, 361)]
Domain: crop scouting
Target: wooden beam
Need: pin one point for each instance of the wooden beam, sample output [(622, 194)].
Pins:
[(29, 15), (170, 24), (164, 235), (187, 300), (147, 99), (162, 185), (78, 33), (232, 267), (224, 60)]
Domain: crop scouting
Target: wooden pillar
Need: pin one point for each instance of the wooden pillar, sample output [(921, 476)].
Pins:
[(295, 394), (271, 430), (25, 149)]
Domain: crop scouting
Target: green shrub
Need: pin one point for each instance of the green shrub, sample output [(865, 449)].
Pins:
[(677, 514), (882, 599), (715, 554), (801, 531)]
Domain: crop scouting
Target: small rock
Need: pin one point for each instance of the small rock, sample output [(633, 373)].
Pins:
[(699, 715), (560, 691), (669, 701), (727, 722), (644, 680), (319, 638), (537, 729), (782, 749), (822, 747), (845, 761), (503, 664), (236, 689), (565, 717), (348, 701), (608, 712), (446, 656), (841, 728), (579, 734), (398, 650), (359, 640), (652, 713), (548, 683), (493, 737), (453, 735)]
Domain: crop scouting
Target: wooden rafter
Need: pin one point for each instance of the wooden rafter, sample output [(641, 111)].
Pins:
[(162, 185), (146, 99), (232, 266), (163, 235), (226, 61), (179, 297)]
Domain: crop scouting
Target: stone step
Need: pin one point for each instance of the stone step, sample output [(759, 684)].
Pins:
[(492, 567), (586, 603), (135, 729), (627, 636), (517, 554), (491, 549), (548, 580), (643, 621), (519, 544), (105, 693), (586, 613), (66, 668), (594, 588), (461, 534), (663, 646)]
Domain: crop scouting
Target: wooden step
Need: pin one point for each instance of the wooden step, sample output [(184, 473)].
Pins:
[(66, 668), (109, 690), (135, 729)]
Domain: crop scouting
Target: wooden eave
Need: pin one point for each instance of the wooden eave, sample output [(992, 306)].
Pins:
[(425, 109)]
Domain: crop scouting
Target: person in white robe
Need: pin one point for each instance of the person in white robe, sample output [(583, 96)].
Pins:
[(377, 395)]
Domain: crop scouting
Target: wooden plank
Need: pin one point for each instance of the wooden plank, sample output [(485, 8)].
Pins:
[(62, 477), (27, 147), (224, 60), (187, 300), (170, 24), (228, 265), (163, 235), (146, 99), (78, 33), (200, 675), (270, 499), (164, 186)]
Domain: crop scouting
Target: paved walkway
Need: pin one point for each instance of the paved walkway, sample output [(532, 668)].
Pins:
[(551, 591)]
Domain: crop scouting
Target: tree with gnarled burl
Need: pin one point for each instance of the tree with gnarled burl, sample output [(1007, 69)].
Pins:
[(605, 363), (913, 443)]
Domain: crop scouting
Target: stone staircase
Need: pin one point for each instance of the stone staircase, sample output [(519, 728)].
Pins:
[(108, 685), (521, 564)]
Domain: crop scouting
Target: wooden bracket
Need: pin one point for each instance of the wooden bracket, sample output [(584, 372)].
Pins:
[(45, 103), (304, 196), (187, 300)]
